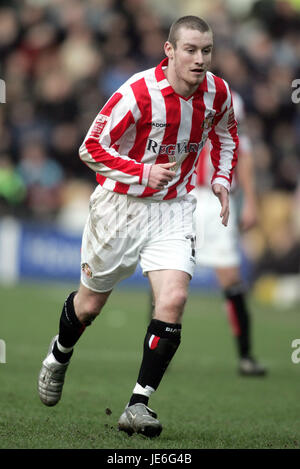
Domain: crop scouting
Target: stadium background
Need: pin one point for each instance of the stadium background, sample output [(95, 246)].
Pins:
[(62, 59)]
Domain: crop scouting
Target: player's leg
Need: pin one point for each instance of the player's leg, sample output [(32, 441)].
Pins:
[(238, 314), (78, 312), (163, 334), (161, 341), (168, 258), (240, 318), (150, 305), (107, 256)]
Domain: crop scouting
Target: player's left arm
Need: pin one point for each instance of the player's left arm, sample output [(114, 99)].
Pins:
[(224, 140)]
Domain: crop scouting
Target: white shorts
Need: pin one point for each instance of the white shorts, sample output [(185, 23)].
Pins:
[(217, 245), (122, 230)]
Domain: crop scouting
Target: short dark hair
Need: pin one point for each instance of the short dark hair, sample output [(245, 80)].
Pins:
[(189, 22)]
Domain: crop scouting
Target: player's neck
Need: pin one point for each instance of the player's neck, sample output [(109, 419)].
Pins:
[(180, 87)]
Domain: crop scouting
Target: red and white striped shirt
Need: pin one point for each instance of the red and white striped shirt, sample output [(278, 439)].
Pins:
[(146, 122)]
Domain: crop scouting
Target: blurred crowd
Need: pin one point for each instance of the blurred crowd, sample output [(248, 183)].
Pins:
[(62, 59)]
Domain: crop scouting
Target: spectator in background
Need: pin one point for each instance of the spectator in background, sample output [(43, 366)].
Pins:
[(75, 196), (64, 137), (42, 177), (12, 188), (60, 60)]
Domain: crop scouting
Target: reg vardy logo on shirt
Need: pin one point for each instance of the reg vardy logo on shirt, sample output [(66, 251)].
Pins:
[(178, 148)]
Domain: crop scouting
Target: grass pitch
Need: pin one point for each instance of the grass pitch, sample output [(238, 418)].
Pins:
[(201, 402)]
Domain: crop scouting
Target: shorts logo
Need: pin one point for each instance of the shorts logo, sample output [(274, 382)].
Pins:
[(99, 125), (87, 270)]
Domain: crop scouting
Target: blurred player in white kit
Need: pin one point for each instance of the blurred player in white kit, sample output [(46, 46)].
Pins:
[(218, 246)]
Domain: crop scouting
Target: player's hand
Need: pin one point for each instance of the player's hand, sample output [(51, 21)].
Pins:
[(248, 216), (222, 193), (160, 175)]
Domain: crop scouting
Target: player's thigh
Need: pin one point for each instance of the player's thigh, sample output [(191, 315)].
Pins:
[(170, 244), (109, 252), (170, 290)]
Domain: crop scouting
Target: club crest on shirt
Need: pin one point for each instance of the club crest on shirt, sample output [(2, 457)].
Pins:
[(208, 121)]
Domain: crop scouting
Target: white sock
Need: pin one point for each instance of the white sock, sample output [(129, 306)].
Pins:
[(63, 349), (146, 391)]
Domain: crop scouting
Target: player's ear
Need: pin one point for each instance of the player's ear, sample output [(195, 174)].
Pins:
[(169, 50)]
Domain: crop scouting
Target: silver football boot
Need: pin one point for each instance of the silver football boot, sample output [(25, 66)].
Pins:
[(138, 418), (250, 367), (51, 378)]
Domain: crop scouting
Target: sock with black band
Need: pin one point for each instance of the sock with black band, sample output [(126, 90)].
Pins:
[(239, 317), (70, 330), (161, 342)]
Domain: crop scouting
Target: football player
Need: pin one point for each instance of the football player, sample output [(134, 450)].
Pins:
[(144, 145)]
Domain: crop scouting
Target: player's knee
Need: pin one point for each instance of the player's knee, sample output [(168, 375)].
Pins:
[(179, 299), (89, 308), (173, 301)]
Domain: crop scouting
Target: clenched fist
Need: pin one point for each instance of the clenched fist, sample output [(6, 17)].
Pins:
[(160, 175)]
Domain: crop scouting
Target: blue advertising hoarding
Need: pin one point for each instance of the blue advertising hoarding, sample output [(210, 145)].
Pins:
[(47, 253)]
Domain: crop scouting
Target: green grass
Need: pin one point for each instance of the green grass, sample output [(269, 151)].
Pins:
[(202, 402)]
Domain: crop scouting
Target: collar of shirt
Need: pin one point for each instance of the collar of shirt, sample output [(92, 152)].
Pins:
[(165, 86)]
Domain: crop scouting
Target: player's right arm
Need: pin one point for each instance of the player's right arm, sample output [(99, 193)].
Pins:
[(99, 149)]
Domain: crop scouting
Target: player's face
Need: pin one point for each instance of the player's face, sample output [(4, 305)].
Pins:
[(190, 60)]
